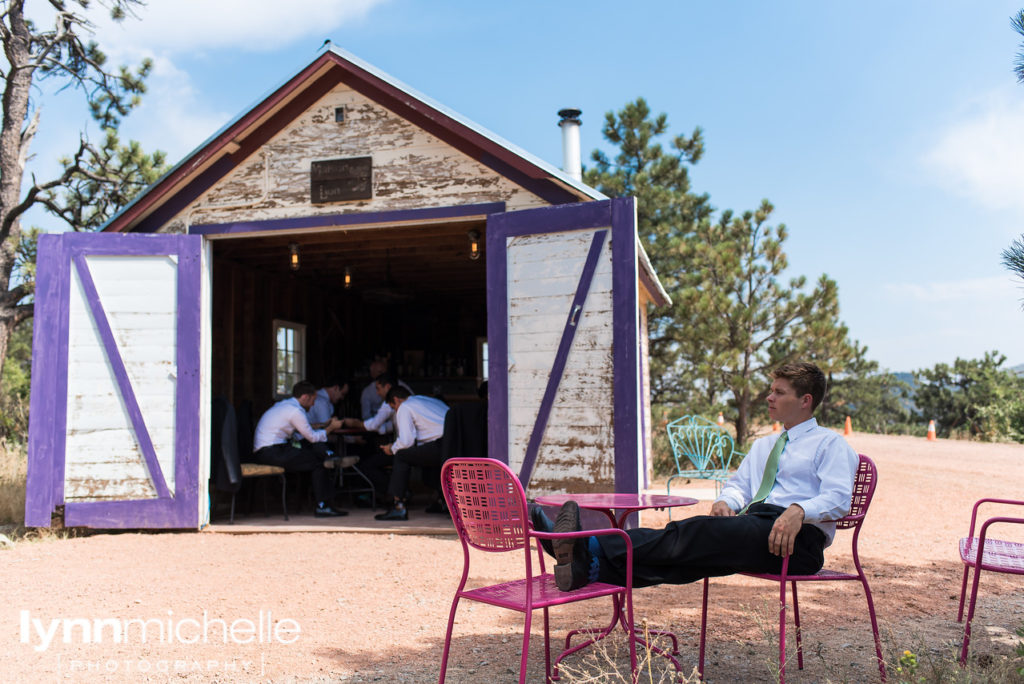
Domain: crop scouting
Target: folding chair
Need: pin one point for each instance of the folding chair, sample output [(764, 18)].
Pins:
[(863, 490), (488, 506), (996, 556)]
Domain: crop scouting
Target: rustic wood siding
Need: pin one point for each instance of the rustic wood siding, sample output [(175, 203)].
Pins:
[(411, 169), (103, 458), (645, 387), (577, 452)]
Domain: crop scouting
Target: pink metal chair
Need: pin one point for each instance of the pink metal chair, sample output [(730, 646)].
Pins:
[(488, 506), (996, 555), (863, 490)]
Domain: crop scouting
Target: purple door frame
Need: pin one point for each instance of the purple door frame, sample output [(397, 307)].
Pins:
[(48, 404), (620, 216)]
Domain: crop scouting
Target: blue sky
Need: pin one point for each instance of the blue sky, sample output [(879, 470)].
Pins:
[(889, 136)]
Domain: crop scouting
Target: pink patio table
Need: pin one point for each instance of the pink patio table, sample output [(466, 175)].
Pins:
[(608, 504)]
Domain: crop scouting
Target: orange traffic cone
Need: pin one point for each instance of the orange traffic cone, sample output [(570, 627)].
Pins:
[(776, 427), (931, 431), (848, 428), (721, 418)]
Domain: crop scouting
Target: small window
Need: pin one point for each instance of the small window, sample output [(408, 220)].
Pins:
[(339, 115), (289, 356)]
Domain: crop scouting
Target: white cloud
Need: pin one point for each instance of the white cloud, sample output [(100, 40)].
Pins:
[(981, 154), (178, 26)]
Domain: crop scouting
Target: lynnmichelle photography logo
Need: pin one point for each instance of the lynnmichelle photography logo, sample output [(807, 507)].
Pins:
[(43, 633)]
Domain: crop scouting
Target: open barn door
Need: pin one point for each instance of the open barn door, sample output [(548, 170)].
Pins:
[(563, 339), (115, 432)]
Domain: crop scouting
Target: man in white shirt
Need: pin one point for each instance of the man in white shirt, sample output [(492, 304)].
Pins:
[(419, 423), (760, 517), (274, 443), (370, 400), (322, 410), (381, 421)]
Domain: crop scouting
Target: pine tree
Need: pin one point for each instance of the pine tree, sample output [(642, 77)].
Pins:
[(94, 181), (667, 213)]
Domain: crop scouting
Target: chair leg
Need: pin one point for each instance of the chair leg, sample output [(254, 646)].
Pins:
[(963, 592), (284, 495), (782, 630), (448, 639), (703, 629), (874, 625), (796, 627), (526, 646), (547, 647), (231, 521), (970, 613)]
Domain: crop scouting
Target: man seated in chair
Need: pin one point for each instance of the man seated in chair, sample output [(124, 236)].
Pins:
[(777, 504), (419, 424), (274, 444), (322, 410)]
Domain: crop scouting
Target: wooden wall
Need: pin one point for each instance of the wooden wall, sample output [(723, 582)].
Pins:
[(343, 332)]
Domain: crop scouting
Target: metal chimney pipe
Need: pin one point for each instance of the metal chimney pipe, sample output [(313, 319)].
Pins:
[(570, 124)]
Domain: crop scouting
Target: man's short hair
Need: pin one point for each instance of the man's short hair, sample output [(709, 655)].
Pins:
[(387, 379), (336, 381), (806, 378), (397, 392), (303, 387)]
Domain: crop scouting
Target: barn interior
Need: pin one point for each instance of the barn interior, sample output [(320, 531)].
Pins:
[(415, 294)]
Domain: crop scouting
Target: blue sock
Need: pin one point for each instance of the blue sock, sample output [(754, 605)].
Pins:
[(596, 554)]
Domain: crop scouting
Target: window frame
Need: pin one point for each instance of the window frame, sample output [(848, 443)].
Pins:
[(298, 354)]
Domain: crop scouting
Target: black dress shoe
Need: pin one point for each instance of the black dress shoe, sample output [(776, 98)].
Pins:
[(572, 570), (393, 513), (328, 512)]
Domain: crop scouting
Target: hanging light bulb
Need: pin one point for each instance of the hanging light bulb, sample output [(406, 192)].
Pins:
[(474, 244), (348, 277), (293, 258)]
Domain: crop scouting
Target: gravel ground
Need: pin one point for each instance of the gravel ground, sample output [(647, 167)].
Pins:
[(349, 607)]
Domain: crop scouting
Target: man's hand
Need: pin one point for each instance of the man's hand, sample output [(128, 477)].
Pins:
[(721, 508), (783, 535), (387, 450), (332, 425)]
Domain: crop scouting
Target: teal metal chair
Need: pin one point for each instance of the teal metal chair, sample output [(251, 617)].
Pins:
[(701, 450)]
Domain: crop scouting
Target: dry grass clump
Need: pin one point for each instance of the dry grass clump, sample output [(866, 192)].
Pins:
[(13, 467)]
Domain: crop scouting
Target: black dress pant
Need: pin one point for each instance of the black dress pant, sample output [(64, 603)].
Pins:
[(429, 456), (708, 546), (306, 458)]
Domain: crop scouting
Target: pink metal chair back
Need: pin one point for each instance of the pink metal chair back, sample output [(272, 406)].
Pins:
[(488, 506), (863, 491), (996, 555)]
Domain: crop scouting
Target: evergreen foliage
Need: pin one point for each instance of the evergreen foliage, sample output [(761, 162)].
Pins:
[(975, 398), (732, 319), (95, 181)]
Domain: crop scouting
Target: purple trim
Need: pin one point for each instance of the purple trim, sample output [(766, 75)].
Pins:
[(497, 338), (564, 346), (45, 480), (432, 213), (578, 216), (48, 424), (124, 384), (625, 342)]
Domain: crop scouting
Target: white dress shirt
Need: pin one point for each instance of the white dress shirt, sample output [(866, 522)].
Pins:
[(369, 401), (281, 421), (816, 471), (419, 420), (322, 409), (381, 421)]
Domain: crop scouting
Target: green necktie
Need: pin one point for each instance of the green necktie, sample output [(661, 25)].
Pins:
[(771, 468)]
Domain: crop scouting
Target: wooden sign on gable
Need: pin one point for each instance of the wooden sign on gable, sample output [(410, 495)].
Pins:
[(339, 180)]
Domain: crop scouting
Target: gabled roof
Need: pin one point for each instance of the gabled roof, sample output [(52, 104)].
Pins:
[(243, 136)]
